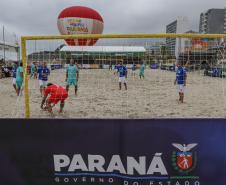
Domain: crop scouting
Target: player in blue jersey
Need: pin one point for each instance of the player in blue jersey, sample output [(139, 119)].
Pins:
[(40, 75), (181, 78), (14, 69), (122, 72), (43, 73), (72, 76)]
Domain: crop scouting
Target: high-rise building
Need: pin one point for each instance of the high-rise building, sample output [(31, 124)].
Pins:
[(9, 46), (180, 25), (213, 21)]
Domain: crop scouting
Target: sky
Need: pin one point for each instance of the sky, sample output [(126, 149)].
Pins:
[(39, 17)]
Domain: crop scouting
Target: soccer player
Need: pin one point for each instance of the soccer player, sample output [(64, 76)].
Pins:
[(54, 94), (43, 72), (181, 78), (33, 70), (142, 68), (72, 76), (134, 70), (110, 67), (14, 69), (40, 66), (122, 71), (19, 79)]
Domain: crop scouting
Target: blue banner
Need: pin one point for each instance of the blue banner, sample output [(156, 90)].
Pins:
[(114, 152), (56, 66)]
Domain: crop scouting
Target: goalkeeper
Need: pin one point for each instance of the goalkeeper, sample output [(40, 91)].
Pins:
[(56, 94)]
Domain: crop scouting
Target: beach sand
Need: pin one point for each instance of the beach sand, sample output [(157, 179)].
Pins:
[(99, 97)]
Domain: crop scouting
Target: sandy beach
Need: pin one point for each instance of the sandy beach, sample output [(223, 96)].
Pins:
[(99, 97)]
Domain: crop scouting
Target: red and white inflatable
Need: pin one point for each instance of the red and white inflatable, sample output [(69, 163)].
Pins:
[(80, 20)]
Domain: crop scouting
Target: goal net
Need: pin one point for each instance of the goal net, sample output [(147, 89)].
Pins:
[(153, 63)]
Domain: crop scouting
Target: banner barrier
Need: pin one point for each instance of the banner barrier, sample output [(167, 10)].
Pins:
[(56, 66), (154, 66), (105, 66), (113, 152)]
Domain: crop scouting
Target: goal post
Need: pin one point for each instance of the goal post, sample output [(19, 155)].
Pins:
[(26, 91), (25, 39)]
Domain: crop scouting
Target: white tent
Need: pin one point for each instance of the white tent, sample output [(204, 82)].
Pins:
[(105, 49)]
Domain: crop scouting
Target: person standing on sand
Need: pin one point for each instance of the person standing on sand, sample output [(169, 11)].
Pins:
[(180, 81), (19, 78), (122, 72), (142, 68), (110, 67), (134, 70), (43, 72), (14, 69), (72, 76), (33, 70)]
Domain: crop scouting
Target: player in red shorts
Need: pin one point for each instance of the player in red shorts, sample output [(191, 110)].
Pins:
[(54, 94)]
